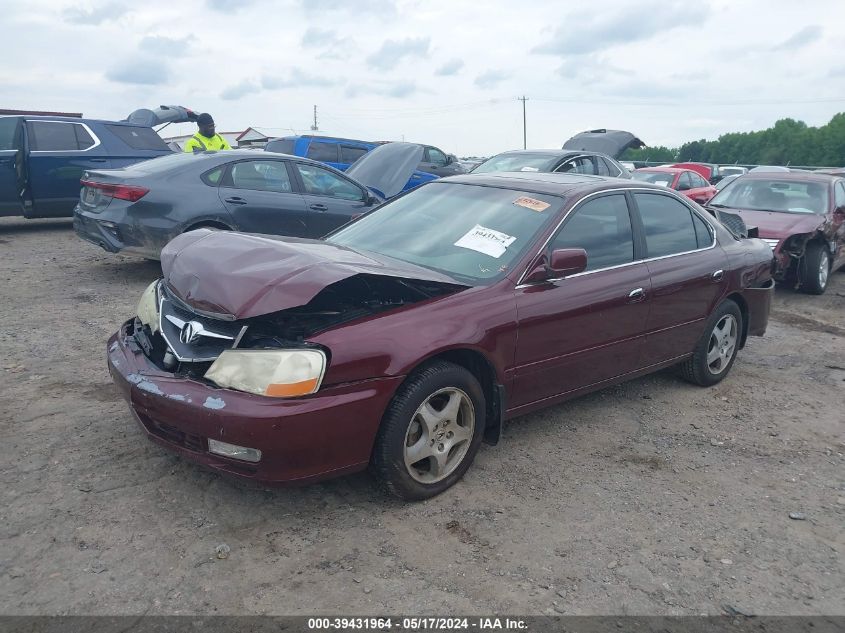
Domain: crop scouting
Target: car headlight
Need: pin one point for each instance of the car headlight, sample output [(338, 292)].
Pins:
[(277, 373), (148, 306)]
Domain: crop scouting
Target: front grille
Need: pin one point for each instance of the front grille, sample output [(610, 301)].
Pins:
[(773, 244), (212, 335)]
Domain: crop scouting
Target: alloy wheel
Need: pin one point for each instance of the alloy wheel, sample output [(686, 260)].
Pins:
[(439, 435), (722, 344), (824, 269)]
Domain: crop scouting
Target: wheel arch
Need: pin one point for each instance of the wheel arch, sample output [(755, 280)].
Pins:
[(480, 366), (208, 224), (740, 301)]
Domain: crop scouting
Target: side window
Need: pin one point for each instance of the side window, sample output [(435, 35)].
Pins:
[(213, 177), (601, 166), (578, 165), (351, 154), (839, 195), (612, 169), (8, 132), (261, 175), (58, 136), (436, 156), (684, 182), (323, 152), (602, 227), (667, 224), (322, 182), (703, 236), (698, 181)]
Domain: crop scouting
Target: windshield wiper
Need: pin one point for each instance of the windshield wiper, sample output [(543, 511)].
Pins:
[(717, 205)]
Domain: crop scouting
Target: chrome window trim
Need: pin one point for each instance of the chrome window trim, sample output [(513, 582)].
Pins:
[(65, 151), (621, 190)]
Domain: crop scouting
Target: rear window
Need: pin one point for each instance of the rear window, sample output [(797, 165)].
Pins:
[(58, 136), (8, 126), (281, 146), (324, 152), (138, 137)]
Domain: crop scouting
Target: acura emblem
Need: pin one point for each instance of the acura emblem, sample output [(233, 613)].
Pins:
[(191, 332)]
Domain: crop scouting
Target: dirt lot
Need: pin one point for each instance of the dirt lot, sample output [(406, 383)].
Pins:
[(655, 497)]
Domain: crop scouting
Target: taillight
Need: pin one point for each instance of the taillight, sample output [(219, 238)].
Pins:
[(121, 192)]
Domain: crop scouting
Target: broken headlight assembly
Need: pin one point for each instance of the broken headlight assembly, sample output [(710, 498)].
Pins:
[(269, 372), (148, 306)]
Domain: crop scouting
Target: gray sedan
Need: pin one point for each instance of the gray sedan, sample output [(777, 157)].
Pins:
[(141, 208)]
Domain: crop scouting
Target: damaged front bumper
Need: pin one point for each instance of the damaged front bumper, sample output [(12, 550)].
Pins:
[(301, 439)]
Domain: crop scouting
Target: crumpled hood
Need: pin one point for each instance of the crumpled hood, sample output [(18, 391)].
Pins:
[(388, 167), (610, 142), (239, 276), (780, 225)]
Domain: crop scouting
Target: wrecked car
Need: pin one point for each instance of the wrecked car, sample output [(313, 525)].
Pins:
[(403, 340), (688, 182), (140, 208), (801, 215), (593, 152)]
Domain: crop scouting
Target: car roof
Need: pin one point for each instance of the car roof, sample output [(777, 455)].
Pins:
[(555, 184), (797, 176), (551, 153), (322, 138), (68, 119), (665, 170)]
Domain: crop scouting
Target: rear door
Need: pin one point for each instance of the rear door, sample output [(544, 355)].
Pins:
[(12, 166), (589, 327), (261, 198), (59, 151), (688, 274), (331, 199), (578, 165)]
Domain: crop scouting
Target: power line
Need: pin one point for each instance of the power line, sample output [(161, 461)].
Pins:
[(697, 102)]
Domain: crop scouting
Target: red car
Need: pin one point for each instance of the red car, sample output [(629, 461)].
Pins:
[(688, 182), (405, 339), (800, 214)]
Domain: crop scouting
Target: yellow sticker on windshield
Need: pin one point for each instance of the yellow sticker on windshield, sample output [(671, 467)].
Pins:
[(530, 203)]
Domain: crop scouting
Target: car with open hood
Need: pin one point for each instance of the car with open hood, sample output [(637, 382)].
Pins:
[(593, 152), (405, 339), (800, 214), (142, 207)]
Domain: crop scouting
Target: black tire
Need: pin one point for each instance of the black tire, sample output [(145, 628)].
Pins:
[(697, 369), (809, 270), (388, 460)]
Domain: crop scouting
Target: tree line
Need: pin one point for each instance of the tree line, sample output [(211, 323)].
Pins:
[(787, 142)]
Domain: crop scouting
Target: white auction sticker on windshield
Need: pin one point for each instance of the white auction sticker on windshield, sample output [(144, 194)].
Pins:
[(662, 183), (487, 241)]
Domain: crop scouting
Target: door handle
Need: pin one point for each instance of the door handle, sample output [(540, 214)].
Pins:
[(98, 160), (717, 276), (235, 200), (637, 294), (318, 207)]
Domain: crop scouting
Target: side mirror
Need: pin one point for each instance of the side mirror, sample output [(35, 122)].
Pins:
[(839, 212), (371, 200), (683, 187), (562, 262)]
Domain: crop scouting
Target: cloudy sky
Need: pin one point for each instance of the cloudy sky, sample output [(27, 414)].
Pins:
[(441, 72)]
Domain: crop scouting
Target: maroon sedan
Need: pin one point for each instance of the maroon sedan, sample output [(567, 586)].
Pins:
[(800, 214), (405, 339), (687, 181)]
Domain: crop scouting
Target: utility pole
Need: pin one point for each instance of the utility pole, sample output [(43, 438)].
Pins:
[(314, 127), (523, 98)]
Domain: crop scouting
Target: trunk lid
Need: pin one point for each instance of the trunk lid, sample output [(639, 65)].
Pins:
[(610, 142), (237, 276)]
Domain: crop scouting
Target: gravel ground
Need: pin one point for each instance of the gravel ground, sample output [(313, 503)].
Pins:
[(654, 497)]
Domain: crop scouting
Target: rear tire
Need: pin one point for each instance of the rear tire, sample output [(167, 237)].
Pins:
[(430, 433), (716, 350), (814, 269)]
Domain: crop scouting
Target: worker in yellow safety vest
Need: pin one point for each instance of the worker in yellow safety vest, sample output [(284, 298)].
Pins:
[(206, 139)]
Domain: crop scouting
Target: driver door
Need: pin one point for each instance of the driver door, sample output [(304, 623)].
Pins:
[(331, 200), (12, 166)]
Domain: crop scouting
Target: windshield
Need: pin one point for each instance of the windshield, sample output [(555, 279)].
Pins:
[(516, 162), (783, 196), (469, 232), (655, 177)]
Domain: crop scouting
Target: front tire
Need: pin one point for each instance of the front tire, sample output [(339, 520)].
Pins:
[(814, 269), (716, 350), (430, 433)]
